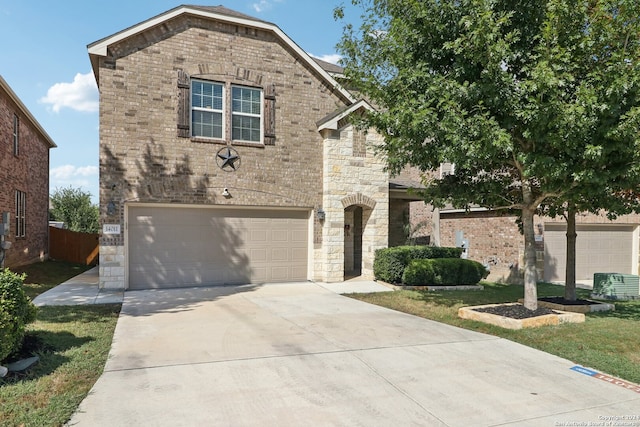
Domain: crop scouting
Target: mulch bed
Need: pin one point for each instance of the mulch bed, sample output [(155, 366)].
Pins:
[(515, 311), (562, 301)]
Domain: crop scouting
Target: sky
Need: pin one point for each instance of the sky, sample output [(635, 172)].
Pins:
[(44, 59)]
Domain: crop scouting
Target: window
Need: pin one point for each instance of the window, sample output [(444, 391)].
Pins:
[(21, 208), (246, 114), (447, 169), (209, 119), (16, 135), (207, 103)]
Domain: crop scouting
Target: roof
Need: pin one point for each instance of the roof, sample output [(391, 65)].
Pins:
[(333, 69), (332, 120), (6, 88), (221, 14)]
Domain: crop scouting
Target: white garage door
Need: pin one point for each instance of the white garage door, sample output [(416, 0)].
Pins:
[(599, 249), (186, 246)]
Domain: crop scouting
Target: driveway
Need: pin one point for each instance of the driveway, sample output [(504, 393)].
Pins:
[(299, 354)]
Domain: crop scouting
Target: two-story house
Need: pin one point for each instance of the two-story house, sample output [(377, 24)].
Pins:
[(227, 157), (24, 181)]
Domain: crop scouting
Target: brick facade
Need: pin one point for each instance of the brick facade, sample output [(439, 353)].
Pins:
[(27, 172), (144, 160)]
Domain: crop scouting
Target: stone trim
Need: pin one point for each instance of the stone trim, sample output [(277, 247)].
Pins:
[(358, 199)]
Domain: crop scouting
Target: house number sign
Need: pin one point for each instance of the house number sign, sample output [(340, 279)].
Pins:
[(111, 229)]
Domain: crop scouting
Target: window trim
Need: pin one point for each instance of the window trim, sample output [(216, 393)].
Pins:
[(16, 135), (242, 114), (223, 111), (21, 214)]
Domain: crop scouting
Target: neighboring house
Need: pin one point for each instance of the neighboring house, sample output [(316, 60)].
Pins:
[(227, 157), (24, 180), (494, 239)]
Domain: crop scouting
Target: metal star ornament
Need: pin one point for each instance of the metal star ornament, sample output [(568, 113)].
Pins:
[(228, 159)]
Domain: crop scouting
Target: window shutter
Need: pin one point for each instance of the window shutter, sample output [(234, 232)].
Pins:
[(184, 104), (270, 115)]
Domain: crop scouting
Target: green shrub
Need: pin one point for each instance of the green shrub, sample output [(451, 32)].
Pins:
[(16, 310), (389, 263), (443, 271)]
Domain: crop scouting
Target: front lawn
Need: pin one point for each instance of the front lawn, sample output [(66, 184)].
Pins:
[(607, 341), (43, 276), (72, 342)]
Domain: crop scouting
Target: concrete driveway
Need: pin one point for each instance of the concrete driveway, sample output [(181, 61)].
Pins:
[(299, 354)]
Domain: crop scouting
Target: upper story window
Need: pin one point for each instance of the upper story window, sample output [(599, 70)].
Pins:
[(207, 115), (21, 211), (246, 107), (16, 135), (222, 111)]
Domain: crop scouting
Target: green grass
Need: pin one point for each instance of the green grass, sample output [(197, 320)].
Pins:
[(607, 341), (43, 276), (72, 342)]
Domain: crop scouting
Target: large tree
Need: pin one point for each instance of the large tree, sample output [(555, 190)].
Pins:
[(532, 100), (73, 207)]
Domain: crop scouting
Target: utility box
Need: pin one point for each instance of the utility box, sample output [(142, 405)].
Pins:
[(5, 227), (616, 286)]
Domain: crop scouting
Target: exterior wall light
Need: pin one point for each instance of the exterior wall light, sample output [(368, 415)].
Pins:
[(111, 208), (321, 214)]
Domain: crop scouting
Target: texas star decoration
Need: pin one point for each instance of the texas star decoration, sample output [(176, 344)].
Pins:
[(228, 159)]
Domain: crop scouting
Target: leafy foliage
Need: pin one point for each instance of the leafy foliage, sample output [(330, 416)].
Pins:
[(443, 271), (537, 102), (16, 310), (389, 263), (73, 207)]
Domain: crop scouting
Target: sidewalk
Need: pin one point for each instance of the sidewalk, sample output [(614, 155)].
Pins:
[(83, 290), (80, 290)]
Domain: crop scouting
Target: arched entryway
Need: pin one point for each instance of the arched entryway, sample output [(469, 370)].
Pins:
[(357, 210)]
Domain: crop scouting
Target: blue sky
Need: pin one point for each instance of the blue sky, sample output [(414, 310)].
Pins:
[(43, 57)]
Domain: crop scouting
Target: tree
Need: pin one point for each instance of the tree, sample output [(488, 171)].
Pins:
[(73, 207), (535, 102)]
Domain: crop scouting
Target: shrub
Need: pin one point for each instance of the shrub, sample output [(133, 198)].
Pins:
[(389, 263), (443, 271), (16, 310)]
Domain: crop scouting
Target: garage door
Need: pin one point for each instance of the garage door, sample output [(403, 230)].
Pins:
[(599, 249), (180, 246)]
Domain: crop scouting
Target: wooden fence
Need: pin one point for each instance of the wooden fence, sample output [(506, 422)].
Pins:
[(71, 246)]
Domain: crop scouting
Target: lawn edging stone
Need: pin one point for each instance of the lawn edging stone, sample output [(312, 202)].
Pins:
[(431, 287), (595, 306), (470, 313)]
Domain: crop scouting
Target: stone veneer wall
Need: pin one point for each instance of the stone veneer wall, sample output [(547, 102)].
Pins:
[(352, 179), (143, 160)]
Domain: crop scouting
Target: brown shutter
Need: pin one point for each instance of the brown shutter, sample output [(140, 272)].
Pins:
[(184, 104), (270, 115)]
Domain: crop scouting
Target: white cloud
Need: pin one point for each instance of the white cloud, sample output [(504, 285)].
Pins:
[(83, 177), (264, 5), (80, 95), (70, 171), (332, 58)]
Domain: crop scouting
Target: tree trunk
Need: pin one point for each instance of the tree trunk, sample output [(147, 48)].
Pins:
[(530, 273), (570, 268)]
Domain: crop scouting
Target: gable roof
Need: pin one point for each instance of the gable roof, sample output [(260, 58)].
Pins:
[(4, 86), (332, 121), (217, 13)]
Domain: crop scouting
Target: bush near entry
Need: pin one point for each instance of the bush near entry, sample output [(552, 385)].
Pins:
[(16, 310), (389, 263), (443, 271)]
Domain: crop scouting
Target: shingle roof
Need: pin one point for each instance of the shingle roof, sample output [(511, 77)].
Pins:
[(329, 67), (221, 10)]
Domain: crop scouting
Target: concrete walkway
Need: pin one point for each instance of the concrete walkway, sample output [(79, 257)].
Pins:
[(299, 354), (82, 289)]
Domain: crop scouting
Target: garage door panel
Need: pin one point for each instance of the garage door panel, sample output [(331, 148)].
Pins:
[(180, 246), (599, 248)]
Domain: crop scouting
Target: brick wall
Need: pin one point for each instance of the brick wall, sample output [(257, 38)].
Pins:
[(27, 172), (143, 160)]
